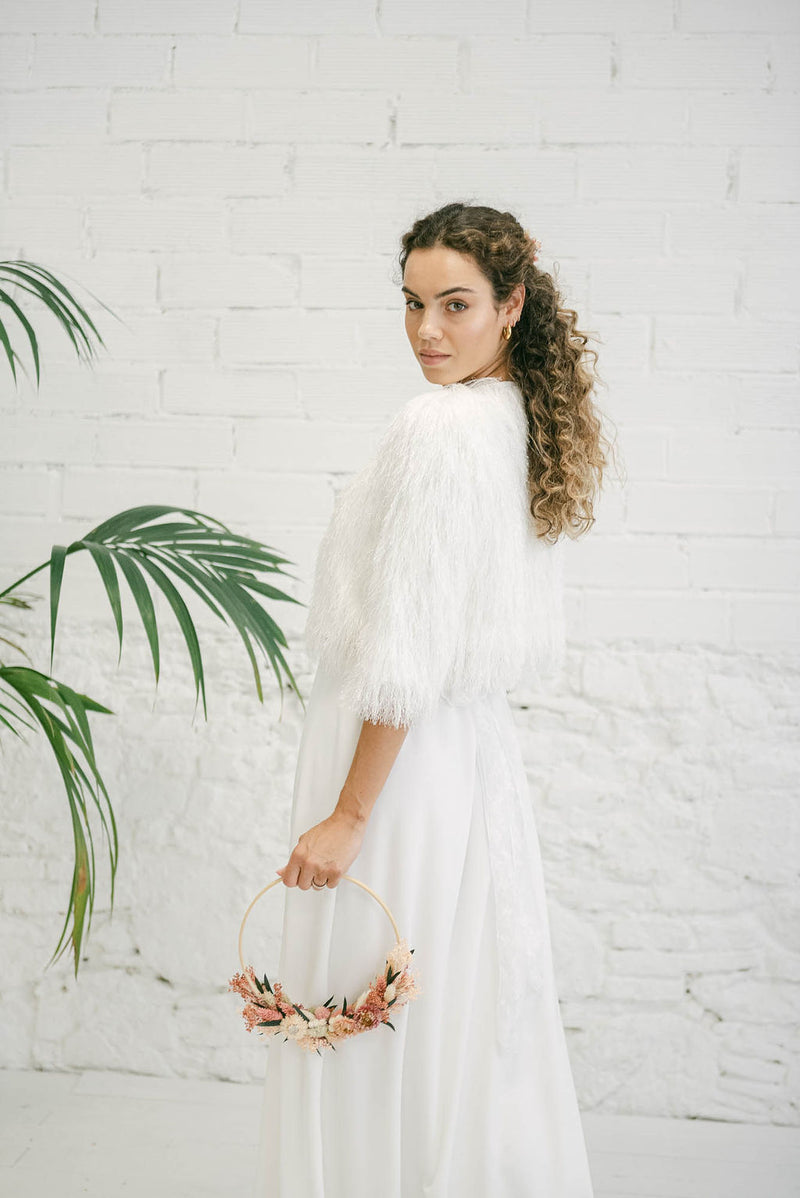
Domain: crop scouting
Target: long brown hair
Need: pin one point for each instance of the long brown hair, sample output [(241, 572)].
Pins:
[(546, 357)]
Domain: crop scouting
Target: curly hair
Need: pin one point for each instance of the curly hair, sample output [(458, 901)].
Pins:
[(545, 357)]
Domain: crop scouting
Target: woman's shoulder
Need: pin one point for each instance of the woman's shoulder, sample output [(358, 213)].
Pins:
[(454, 435), (478, 405)]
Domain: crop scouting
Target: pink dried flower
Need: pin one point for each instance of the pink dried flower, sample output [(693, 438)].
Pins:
[(341, 1026)]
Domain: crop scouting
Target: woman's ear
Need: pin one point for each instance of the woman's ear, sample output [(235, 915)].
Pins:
[(515, 302)]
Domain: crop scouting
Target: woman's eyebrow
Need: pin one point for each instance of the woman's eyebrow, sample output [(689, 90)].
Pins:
[(449, 291)]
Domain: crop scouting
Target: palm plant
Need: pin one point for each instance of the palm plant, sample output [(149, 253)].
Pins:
[(143, 545)]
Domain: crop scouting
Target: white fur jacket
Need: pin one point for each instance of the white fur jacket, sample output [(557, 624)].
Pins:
[(430, 580)]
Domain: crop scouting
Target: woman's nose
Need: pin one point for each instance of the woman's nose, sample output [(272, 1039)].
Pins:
[(428, 327)]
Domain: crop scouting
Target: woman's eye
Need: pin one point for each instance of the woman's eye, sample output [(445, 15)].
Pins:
[(461, 304)]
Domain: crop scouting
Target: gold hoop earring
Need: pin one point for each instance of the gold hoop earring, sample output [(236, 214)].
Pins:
[(507, 331)]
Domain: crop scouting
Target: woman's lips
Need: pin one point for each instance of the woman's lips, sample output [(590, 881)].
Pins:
[(433, 358)]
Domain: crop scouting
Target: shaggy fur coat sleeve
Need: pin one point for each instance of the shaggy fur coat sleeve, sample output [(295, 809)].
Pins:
[(430, 581)]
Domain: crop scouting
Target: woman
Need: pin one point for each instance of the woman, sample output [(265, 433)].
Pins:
[(438, 587)]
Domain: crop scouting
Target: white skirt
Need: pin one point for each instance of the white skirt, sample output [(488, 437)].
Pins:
[(472, 1093)]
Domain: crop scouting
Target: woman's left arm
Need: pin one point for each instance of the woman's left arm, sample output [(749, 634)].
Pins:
[(329, 848), (375, 754), (437, 489)]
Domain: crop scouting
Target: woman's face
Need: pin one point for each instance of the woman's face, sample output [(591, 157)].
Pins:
[(450, 312)]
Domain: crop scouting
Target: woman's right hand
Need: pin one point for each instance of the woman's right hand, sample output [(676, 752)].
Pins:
[(325, 852)]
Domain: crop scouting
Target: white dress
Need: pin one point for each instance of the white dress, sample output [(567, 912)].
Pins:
[(431, 595)]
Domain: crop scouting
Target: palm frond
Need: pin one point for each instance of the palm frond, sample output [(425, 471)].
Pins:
[(35, 280), (223, 568), (61, 713)]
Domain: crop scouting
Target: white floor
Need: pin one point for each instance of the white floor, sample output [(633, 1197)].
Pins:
[(104, 1134)]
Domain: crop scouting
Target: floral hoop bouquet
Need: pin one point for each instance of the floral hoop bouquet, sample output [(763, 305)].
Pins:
[(269, 1010)]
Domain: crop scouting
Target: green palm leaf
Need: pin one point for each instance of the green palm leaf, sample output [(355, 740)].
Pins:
[(34, 280), (223, 568), (61, 713)]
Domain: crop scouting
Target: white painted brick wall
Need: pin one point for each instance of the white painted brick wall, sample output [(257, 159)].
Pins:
[(233, 179)]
